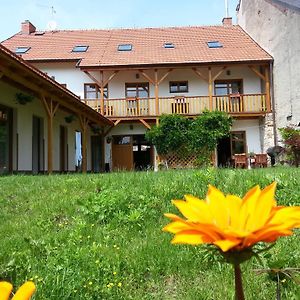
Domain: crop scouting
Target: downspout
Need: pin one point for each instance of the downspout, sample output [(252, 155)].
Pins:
[(273, 105)]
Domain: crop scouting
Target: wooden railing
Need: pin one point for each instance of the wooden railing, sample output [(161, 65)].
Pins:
[(195, 105)]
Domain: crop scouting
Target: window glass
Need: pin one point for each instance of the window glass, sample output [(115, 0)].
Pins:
[(178, 86), (138, 90), (228, 87), (121, 140), (238, 142), (92, 91)]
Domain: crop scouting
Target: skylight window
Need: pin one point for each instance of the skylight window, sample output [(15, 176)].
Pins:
[(169, 45), (80, 48), (125, 47), (21, 50), (214, 44)]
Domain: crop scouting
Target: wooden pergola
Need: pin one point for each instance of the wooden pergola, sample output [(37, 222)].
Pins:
[(16, 72)]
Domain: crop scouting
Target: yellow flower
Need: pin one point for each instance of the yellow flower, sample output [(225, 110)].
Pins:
[(232, 223), (24, 292)]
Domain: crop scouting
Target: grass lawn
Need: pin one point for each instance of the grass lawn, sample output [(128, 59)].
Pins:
[(99, 236)]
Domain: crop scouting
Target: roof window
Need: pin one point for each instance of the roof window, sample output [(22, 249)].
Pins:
[(125, 47), (21, 50), (214, 44), (80, 48), (169, 46)]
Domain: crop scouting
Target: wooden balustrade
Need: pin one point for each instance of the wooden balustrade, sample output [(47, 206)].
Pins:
[(192, 105)]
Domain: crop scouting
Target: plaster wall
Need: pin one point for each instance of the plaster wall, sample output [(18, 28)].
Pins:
[(22, 130), (277, 29)]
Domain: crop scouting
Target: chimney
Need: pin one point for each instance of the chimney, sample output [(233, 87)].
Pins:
[(227, 21), (27, 27)]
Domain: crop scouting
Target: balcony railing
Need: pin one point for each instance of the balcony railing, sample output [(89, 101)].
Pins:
[(195, 105)]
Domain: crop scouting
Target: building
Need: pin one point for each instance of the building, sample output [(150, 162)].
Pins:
[(39, 119), (275, 26), (132, 76)]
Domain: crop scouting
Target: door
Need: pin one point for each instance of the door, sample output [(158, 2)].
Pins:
[(137, 96), (97, 153), (142, 153), (5, 140), (63, 149), (37, 145), (122, 155)]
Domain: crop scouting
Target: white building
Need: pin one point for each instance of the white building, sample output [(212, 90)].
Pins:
[(133, 76), (275, 25)]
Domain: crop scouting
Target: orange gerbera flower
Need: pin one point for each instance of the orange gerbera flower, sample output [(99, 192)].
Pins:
[(24, 292), (232, 223)]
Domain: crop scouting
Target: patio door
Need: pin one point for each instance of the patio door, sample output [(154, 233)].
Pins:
[(5, 140), (63, 151), (122, 154), (137, 96), (96, 151)]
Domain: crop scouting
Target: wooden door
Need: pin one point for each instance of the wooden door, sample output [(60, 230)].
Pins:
[(122, 154)]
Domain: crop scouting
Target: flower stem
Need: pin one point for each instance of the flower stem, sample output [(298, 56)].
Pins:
[(239, 292)]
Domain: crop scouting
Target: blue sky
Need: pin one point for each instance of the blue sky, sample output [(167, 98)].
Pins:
[(89, 14)]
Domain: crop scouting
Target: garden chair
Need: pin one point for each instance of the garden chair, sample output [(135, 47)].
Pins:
[(240, 160), (261, 160)]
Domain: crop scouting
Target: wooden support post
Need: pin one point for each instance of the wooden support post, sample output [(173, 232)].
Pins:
[(102, 92), (51, 108), (210, 89), (84, 127), (267, 82), (145, 123), (156, 81)]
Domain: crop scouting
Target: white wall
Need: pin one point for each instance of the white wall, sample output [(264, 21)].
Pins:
[(75, 79), (22, 126)]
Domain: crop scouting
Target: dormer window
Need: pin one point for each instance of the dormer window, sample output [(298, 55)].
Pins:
[(214, 44), (169, 46), (21, 50), (125, 47), (80, 48)]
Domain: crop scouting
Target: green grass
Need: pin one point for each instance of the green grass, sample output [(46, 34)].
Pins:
[(99, 236)]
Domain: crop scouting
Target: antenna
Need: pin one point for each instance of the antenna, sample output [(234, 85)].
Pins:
[(52, 24), (226, 9)]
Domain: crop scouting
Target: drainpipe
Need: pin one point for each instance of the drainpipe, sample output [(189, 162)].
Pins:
[(273, 105)]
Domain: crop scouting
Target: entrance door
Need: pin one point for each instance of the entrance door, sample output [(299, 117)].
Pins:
[(5, 140), (122, 156), (63, 149), (37, 145), (224, 153), (96, 149), (142, 153)]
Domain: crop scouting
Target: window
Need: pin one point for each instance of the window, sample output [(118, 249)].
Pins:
[(169, 45), (238, 142), (21, 50), (125, 47), (137, 90), (179, 87), (228, 87), (80, 48), (122, 140), (92, 91), (214, 44)]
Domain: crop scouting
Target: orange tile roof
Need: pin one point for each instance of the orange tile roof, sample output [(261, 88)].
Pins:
[(190, 46)]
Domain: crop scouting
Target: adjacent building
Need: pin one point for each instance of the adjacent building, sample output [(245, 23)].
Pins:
[(275, 26), (133, 76), (40, 120)]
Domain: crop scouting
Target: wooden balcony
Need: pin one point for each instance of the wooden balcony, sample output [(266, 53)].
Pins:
[(131, 108)]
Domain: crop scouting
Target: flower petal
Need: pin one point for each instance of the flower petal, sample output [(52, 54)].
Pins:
[(226, 245), (191, 237), (25, 291), (290, 216), (5, 290), (176, 227)]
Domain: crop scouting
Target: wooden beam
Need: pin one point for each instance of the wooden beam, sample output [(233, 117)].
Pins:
[(156, 92), (210, 89), (117, 122), (108, 131), (110, 78), (147, 77), (165, 76), (257, 73), (199, 74), (84, 126), (267, 88), (219, 73), (145, 123), (93, 78), (102, 92), (50, 108)]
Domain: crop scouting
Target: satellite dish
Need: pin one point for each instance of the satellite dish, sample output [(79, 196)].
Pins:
[(52, 25)]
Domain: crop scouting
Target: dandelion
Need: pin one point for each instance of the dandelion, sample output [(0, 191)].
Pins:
[(232, 224), (23, 293)]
